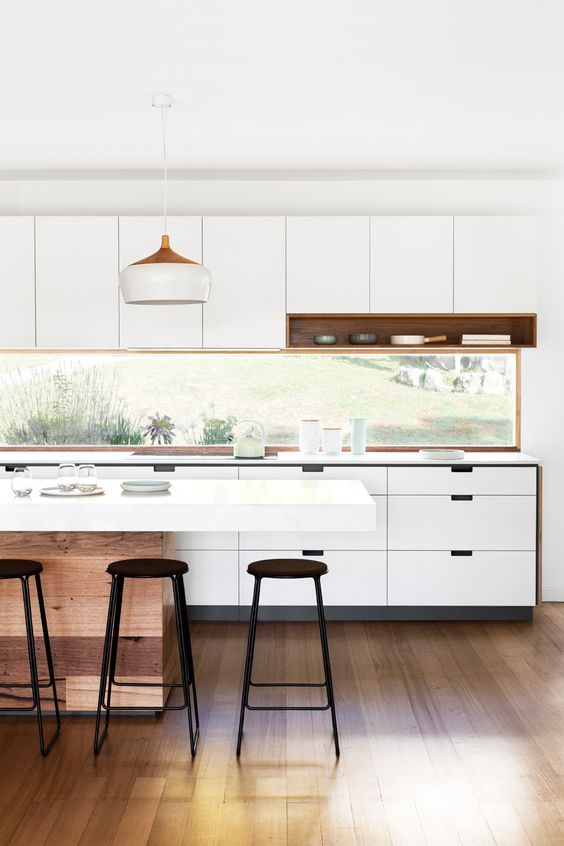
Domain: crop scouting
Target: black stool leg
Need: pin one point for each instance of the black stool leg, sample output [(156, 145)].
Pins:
[(188, 646), (49, 657), (33, 667), (186, 667), (98, 741), (114, 647), (249, 661), (326, 661)]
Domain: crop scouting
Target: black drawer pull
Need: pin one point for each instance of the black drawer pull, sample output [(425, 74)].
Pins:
[(462, 498), (164, 468), (459, 552), (463, 468), (11, 467), (313, 552), (313, 468)]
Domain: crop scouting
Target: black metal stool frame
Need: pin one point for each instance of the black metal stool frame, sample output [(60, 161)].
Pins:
[(35, 685), (247, 677), (109, 660)]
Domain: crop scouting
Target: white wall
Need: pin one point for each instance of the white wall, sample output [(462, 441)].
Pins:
[(365, 193), (543, 401)]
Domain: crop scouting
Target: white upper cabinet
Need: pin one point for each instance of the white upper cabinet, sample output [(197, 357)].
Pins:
[(77, 281), (328, 265), (495, 264), (17, 282), (411, 265), (159, 325), (246, 258)]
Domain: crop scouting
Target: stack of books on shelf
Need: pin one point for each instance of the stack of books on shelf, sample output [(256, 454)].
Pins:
[(482, 340)]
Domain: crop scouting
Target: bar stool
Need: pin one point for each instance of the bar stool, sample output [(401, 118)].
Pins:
[(12, 568), (287, 568), (146, 568)]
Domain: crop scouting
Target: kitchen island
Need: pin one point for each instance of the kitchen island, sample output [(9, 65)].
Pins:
[(75, 538)]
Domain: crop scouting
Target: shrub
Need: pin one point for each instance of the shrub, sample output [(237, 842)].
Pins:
[(72, 405)]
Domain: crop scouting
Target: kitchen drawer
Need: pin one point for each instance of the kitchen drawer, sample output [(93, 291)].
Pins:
[(483, 578), (322, 540), (374, 479), (37, 472), (166, 471), (462, 479), (213, 578), (481, 522), (354, 578)]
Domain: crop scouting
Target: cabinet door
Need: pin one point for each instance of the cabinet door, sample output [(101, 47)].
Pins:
[(374, 479), (17, 282), (411, 264), (77, 281), (328, 264), (495, 264), (246, 258), (483, 578), (159, 325), (462, 522), (354, 578), (213, 577)]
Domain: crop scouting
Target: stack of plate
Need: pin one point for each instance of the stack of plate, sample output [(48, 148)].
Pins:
[(145, 485)]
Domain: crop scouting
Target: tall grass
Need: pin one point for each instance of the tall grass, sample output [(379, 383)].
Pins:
[(72, 405)]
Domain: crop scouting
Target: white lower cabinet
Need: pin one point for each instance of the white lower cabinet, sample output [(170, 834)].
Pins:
[(483, 578), (354, 578), (213, 577), (458, 522), (374, 479)]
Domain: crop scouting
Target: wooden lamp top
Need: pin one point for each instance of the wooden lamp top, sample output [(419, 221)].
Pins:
[(165, 255)]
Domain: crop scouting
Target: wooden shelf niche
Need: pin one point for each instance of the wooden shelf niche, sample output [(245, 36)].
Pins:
[(302, 328)]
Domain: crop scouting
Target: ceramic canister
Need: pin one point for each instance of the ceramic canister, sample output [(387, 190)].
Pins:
[(332, 439), (309, 436)]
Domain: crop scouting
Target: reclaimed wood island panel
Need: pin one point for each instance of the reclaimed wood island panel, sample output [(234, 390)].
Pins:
[(76, 590)]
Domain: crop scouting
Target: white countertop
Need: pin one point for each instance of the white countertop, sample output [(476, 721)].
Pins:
[(233, 505), (283, 458)]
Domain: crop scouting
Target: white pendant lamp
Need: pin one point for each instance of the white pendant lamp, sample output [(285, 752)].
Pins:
[(165, 278)]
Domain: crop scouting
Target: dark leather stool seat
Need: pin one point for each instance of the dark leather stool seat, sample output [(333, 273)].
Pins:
[(286, 568), (17, 568), (147, 568), (25, 570)]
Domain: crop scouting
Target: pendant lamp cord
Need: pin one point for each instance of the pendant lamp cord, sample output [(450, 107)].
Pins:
[(163, 123)]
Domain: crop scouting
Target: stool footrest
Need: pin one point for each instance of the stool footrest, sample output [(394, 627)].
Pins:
[(288, 684)]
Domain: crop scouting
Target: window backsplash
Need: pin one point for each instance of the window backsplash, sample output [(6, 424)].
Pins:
[(437, 399)]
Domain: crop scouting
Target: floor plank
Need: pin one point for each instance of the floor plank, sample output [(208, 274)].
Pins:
[(451, 733)]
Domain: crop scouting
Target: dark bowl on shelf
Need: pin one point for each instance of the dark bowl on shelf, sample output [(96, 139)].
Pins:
[(325, 340), (363, 338)]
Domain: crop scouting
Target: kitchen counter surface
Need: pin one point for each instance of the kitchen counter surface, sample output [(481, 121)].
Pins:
[(40, 457), (200, 505)]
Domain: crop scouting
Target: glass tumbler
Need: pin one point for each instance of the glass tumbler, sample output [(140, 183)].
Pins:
[(87, 478), (22, 484), (66, 477)]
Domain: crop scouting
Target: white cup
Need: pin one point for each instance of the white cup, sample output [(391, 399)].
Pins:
[(309, 436), (331, 439)]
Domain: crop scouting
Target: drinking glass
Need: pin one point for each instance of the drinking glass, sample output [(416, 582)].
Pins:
[(66, 477), (22, 484), (87, 478)]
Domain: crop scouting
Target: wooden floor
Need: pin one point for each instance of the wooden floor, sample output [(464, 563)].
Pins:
[(450, 733)]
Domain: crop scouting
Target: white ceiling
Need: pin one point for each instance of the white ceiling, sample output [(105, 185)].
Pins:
[(298, 84)]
